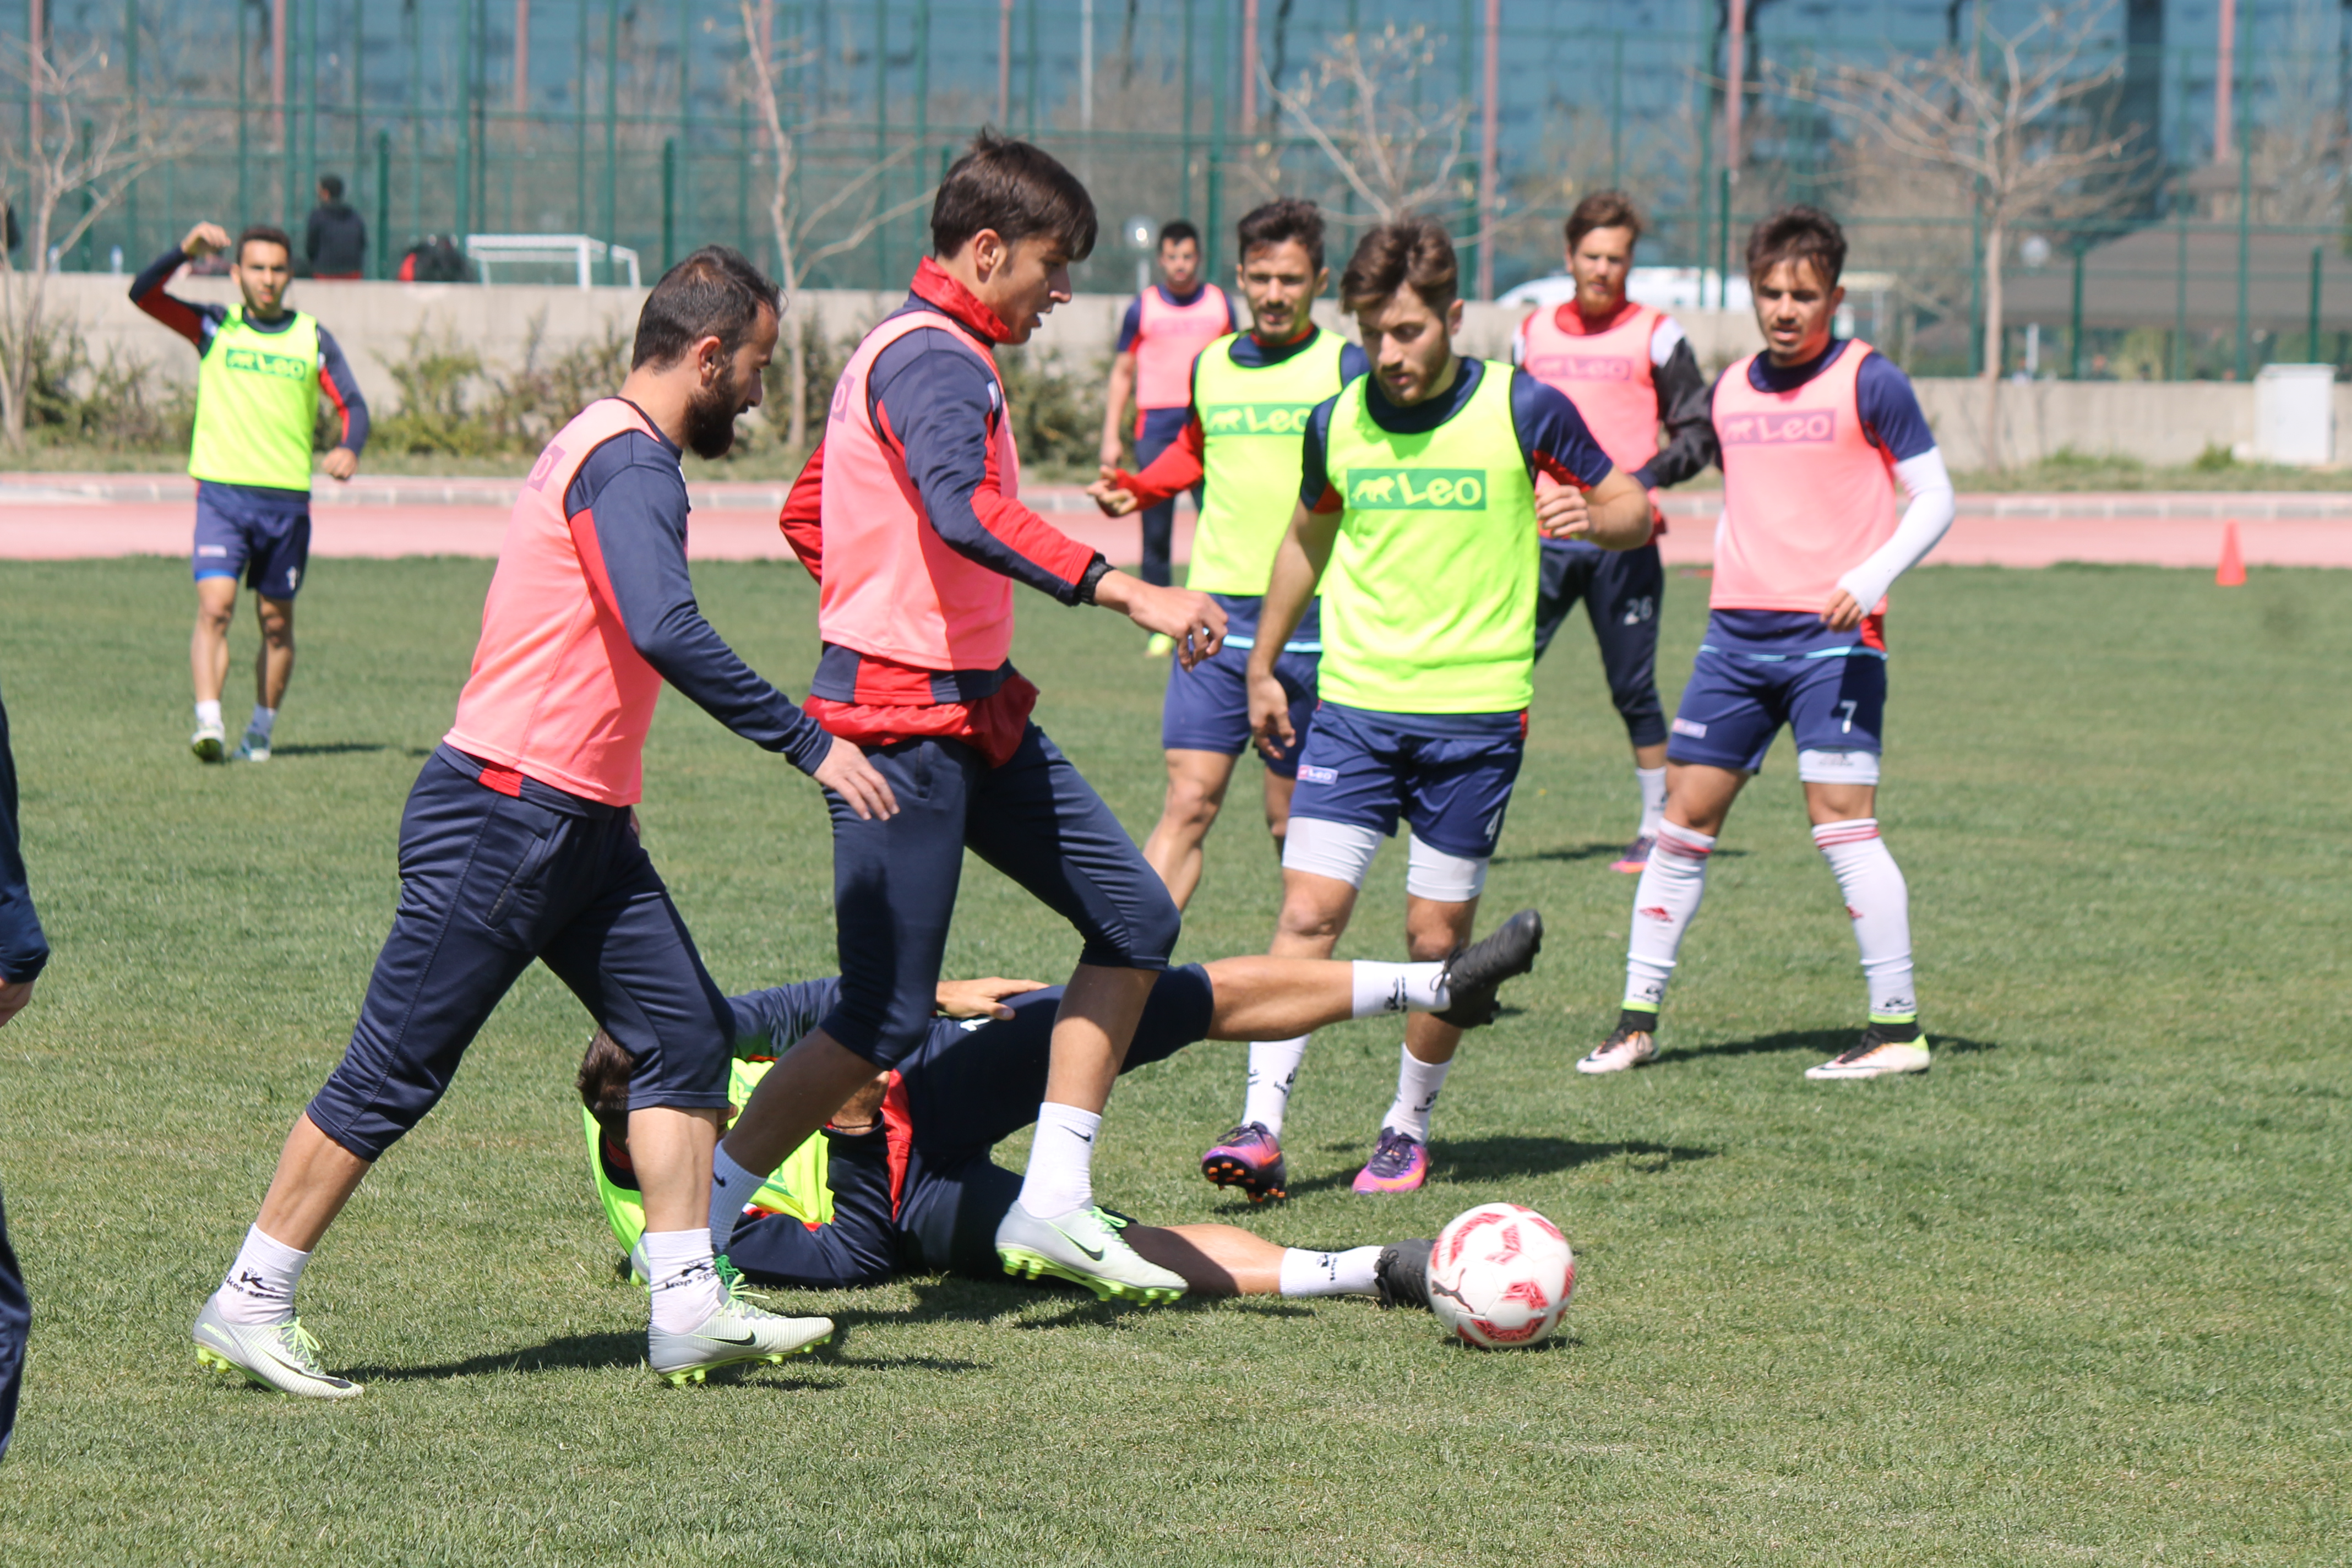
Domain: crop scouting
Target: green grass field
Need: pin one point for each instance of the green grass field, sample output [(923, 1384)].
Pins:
[(2079, 1295)]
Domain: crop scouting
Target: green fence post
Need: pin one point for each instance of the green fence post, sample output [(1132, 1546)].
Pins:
[(88, 202), (309, 101), (465, 192), (2311, 353), (130, 82), (1184, 181), (670, 202), (2246, 210), (358, 95), (2180, 288), (744, 178), (1617, 110), (1723, 245), (580, 127), (612, 141), (244, 106), (2074, 330), (881, 245), (384, 265), (1976, 288), (1218, 71)]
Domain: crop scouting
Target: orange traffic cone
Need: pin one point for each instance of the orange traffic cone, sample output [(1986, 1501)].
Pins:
[(2233, 572)]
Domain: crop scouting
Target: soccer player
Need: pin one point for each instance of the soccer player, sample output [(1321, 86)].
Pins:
[(1419, 495), (1627, 368), (1165, 328), (907, 515), (259, 371), (519, 842), (901, 1178), (24, 952), (1251, 394), (1810, 541)]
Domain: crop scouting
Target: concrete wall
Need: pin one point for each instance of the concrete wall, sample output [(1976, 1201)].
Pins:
[(2158, 422)]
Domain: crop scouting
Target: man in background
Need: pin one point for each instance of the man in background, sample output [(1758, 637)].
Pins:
[(261, 368), (335, 240), (1165, 328)]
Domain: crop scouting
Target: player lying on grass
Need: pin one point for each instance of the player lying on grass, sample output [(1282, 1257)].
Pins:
[(901, 1175), (1815, 434)]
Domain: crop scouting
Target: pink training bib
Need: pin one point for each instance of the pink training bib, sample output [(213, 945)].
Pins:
[(1168, 339), (1607, 375), (558, 693), (1806, 497), (891, 586)]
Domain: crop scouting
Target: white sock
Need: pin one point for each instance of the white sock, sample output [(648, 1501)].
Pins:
[(1663, 903), (259, 1286), (683, 1278), (1061, 1162), (1348, 1273), (1397, 988), (1880, 903), (731, 1187), (1417, 1085), (1273, 1068), (264, 720), (1653, 798), (208, 713)]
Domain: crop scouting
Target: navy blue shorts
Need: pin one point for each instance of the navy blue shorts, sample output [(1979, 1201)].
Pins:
[(488, 883), (1449, 777), (1832, 700), (1207, 707), (1621, 590), (1161, 428), (238, 537), (1035, 819)]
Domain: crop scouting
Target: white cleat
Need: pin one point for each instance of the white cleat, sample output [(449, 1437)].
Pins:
[(282, 1356), (1620, 1052), (210, 743), (253, 748), (738, 1332), (1877, 1057), (1084, 1247)]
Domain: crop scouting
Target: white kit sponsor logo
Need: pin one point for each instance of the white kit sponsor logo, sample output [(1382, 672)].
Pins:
[(1687, 727), (1318, 775)]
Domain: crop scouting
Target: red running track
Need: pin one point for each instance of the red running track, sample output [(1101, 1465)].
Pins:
[(64, 517)]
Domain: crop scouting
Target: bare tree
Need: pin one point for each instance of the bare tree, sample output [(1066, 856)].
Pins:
[(2016, 116), (92, 148), (2298, 153), (795, 226), (1398, 149)]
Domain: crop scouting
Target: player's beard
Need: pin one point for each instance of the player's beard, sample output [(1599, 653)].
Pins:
[(710, 421)]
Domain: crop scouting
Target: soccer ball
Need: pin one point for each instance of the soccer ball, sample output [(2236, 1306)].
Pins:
[(1500, 1275)]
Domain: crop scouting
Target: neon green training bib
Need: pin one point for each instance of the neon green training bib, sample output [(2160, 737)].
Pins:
[(257, 405), (797, 1187), (1429, 602), (1253, 430)]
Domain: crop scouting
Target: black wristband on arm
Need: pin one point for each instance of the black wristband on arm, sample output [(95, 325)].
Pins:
[(1089, 579)]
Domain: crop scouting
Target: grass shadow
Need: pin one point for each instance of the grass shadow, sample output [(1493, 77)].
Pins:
[(331, 749), (1823, 1043), (1500, 1159), (572, 1352), (1563, 852)]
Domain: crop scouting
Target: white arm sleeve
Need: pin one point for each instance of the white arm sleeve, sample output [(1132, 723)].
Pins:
[(1925, 522), (1663, 339)]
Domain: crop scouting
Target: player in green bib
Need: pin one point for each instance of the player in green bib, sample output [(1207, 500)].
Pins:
[(260, 372), (1426, 487), (1252, 393)]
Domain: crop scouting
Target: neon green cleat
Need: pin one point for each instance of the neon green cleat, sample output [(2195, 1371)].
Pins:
[(281, 1356), (737, 1332), (1084, 1247)]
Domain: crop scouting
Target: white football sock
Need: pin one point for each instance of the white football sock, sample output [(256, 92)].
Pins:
[(259, 1286), (1417, 1085), (208, 713), (1349, 1273), (1880, 903), (684, 1280), (1273, 1068), (1397, 988), (1653, 799), (1663, 903), (264, 720), (1061, 1162), (731, 1187)]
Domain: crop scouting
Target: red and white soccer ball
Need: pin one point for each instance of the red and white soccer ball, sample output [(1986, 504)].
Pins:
[(1500, 1276)]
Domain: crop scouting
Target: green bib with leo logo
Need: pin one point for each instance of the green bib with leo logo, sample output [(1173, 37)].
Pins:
[(257, 405), (1429, 603), (1252, 432)]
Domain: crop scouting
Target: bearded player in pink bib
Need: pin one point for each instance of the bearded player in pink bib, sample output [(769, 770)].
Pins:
[(1816, 433), (1628, 369)]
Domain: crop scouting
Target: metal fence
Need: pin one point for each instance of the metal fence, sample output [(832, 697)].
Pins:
[(630, 121)]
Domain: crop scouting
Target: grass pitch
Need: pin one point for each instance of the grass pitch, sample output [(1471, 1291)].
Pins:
[(2077, 1296)]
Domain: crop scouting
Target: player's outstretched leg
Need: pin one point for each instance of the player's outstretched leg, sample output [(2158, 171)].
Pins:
[(1880, 902)]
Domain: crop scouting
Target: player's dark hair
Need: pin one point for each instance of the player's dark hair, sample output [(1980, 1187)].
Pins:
[(604, 1074), (1601, 209), (1018, 190), (1176, 231), (714, 292), (1798, 234), (1280, 221), (1411, 250), (333, 185), (267, 234)]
